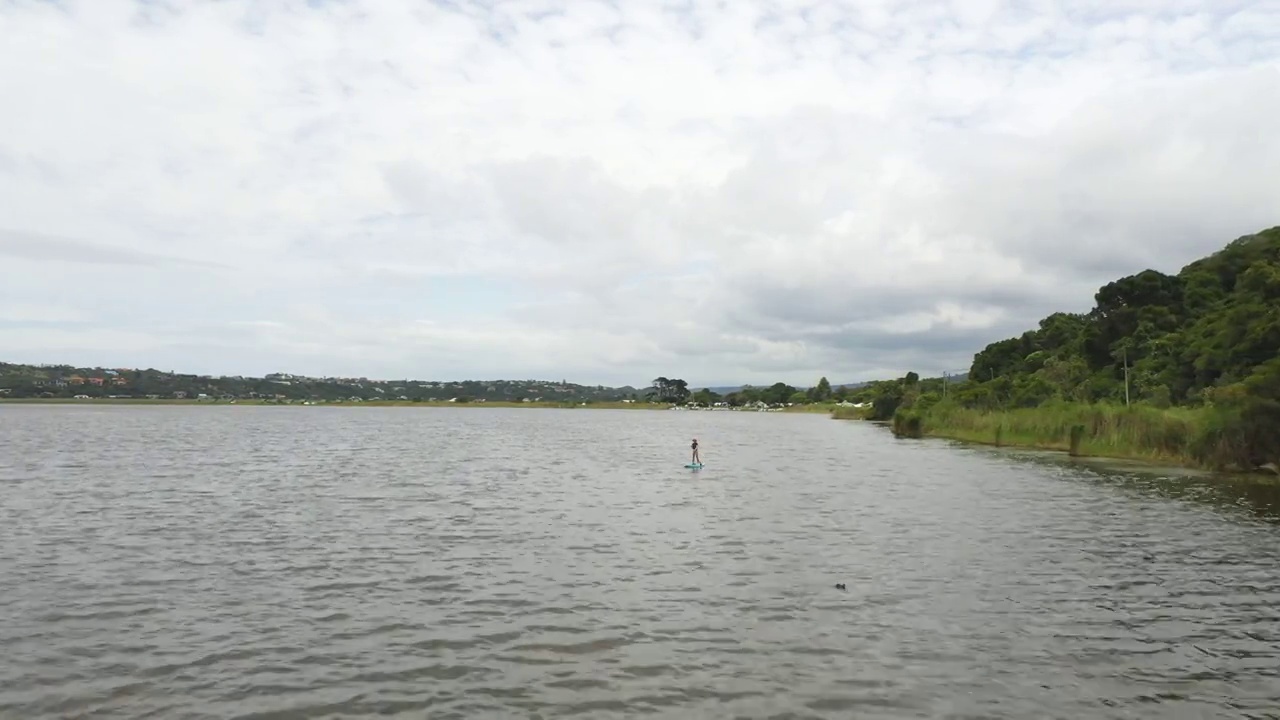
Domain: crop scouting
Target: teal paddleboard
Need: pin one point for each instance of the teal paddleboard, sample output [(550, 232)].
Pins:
[(694, 466)]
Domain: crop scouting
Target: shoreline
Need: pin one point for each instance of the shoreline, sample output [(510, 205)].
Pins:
[(1154, 460), (1147, 461), (611, 405), (1202, 439), (330, 403)]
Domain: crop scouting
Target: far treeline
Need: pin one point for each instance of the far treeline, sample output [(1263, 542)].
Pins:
[(1181, 367), (65, 381), (676, 391), (55, 382)]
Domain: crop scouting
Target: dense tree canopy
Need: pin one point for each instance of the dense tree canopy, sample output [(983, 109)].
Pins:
[(673, 390), (1181, 339)]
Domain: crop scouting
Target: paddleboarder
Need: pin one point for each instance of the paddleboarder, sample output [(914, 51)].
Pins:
[(696, 459)]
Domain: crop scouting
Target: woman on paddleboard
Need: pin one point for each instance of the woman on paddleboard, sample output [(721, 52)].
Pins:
[(694, 447)]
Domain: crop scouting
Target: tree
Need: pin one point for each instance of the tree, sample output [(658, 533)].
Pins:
[(887, 399), (821, 392), (706, 397), (778, 394), (672, 390)]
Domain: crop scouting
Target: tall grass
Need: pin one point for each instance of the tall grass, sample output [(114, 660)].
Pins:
[(844, 412), (1141, 432), (814, 407)]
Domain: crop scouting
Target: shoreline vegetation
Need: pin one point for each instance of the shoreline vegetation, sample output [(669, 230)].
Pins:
[(1175, 369), (1195, 438)]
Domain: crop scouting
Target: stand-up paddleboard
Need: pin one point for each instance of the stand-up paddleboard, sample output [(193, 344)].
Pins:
[(694, 466)]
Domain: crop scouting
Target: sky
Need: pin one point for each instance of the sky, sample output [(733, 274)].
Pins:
[(724, 191)]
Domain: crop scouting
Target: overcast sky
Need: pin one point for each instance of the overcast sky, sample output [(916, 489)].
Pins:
[(723, 191)]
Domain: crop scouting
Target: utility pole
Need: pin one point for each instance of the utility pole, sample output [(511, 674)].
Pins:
[(1126, 377)]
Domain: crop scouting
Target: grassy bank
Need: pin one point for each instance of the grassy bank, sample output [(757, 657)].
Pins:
[(824, 408), (850, 413), (1239, 438)]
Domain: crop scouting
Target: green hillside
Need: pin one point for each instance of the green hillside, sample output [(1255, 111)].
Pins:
[(1191, 360), (1206, 330)]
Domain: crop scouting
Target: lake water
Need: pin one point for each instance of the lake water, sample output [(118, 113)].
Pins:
[(253, 562)]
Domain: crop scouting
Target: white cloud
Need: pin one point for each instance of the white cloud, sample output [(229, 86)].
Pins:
[(751, 191)]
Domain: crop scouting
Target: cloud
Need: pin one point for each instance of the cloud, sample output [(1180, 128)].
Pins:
[(32, 314), (48, 249), (727, 192)]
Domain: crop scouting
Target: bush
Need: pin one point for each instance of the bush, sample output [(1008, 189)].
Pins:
[(1239, 436), (908, 423)]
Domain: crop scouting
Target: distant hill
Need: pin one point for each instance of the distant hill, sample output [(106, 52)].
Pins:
[(726, 389)]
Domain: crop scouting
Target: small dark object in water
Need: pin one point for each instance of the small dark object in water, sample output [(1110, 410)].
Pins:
[(840, 586)]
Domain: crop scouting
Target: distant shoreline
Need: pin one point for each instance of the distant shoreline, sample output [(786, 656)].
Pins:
[(329, 403), (811, 409)]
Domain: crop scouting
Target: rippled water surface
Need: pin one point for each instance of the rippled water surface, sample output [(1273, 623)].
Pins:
[(183, 562)]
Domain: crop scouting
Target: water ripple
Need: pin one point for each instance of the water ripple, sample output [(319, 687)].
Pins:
[(316, 563)]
